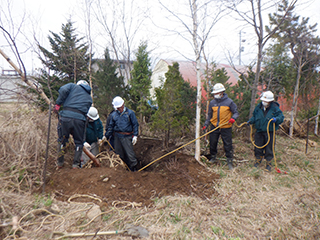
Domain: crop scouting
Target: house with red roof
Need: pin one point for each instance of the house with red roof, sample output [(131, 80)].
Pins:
[(188, 72)]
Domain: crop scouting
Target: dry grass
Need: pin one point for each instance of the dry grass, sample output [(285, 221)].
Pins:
[(249, 204)]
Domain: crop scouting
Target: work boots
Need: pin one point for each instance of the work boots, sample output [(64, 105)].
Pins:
[(257, 162), (268, 167), (229, 162), (60, 159), (77, 158), (213, 158)]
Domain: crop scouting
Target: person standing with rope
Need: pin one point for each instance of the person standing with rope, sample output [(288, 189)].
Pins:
[(222, 112), (124, 125), (267, 110)]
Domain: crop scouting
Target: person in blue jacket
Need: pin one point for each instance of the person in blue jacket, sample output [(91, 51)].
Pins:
[(76, 101), (94, 134), (265, 111), (124, 125)]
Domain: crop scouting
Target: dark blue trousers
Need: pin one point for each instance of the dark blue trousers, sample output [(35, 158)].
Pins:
[(226, 136), (124, 147)]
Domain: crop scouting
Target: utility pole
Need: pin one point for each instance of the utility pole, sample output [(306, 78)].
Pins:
[(241, 49)]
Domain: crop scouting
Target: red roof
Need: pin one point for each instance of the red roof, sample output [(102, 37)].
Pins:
[(188, 72)]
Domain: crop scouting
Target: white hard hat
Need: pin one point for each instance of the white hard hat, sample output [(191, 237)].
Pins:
[(267, 96), (82, 82), (217, 88), (117, 102), (93, 113)]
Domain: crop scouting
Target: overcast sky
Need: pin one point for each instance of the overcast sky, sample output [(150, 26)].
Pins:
[(43, 16)]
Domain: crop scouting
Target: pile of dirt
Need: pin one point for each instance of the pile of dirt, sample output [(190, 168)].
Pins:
[(175, 174)]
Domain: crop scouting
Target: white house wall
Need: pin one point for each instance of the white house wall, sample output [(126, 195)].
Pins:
[(158, 73)]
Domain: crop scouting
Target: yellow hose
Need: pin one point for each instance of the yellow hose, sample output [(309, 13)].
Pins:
[(273, 144), (239, 126), (181, 147)]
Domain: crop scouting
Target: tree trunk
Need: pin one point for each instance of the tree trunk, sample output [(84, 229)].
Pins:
[(25, 79), (295, 101), (259, 32), (197, 53), (256, 82), (317, 119)]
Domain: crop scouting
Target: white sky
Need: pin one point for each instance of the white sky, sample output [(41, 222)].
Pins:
[(42, 16)]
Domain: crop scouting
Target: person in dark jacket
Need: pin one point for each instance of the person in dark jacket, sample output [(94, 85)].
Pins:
[(76, 101), (265, 111), (222, 110), (94, 134), (124, 125)]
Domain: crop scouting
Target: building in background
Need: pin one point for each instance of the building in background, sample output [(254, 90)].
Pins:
[(10, 91), (188, 72), (123, 69)]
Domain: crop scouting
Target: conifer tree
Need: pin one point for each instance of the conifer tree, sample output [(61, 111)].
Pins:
[(278, 73), (140, 83), (66, 61), (107, 84), (68, 58), (299, 36), (173, 98)]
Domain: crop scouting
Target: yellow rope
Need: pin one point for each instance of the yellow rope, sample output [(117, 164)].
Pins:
[(181, 147), (106, 140), (273, 144), (267, 133), (239, 126)]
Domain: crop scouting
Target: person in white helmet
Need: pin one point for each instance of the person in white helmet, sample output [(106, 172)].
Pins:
[(76, 101), (124, 125), (222, 110), (94, 134), (266, 110)]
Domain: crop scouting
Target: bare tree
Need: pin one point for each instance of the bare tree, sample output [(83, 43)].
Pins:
[(11, 33), (254, 17), (304, 47), (198, 25), (87, 19), (122, 20)]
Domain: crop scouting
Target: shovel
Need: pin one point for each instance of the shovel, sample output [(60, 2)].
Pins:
[(129, 230), (95, 160)]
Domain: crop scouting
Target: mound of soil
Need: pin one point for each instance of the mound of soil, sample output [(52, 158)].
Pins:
[(175, 174)]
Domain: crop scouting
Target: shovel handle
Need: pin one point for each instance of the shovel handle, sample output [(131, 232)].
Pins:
[(95, 160), (64, 235)]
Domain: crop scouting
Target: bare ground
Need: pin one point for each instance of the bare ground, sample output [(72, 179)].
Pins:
[(176, 174)]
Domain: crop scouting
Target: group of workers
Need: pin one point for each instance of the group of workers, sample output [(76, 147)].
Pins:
[(82, 121), (223, 112)]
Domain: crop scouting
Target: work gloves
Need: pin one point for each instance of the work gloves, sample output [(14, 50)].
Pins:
[(274, 120), (56, 108), (87, 145), (231, 120), (204, 128), (100, 141), (248, 123), (134, 140)]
